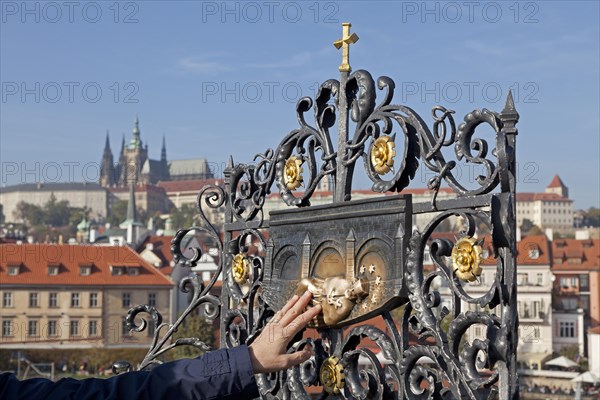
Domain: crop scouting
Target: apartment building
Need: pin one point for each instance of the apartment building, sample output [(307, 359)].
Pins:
[(76, 296), (576, 290)]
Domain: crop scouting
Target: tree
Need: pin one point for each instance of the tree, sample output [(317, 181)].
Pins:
[(57, 213), (184, 216), (29, 213), (592, 217), (193, 327)]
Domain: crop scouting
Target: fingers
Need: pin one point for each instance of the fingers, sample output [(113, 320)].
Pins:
[(279, 314), (302, 320), (297, 357), (296, 308)]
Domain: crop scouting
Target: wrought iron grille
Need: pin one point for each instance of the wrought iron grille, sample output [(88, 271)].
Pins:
[(427, 349)]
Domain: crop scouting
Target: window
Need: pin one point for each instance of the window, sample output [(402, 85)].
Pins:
[(566, 329), (569, 303), (94, 299), (75, 300), (53, 300), (85, 270), (13, 270), (152, 299), (7, 299), (534, 254), (521, 279), (540, 279), (93, 328), (33, 300), (74, 328), (568, 282), (117, 270), (537, 308), (7, 328), (584, 281), (133, 271), (52, 328), (126, 297), (32, 328), (53, 270)]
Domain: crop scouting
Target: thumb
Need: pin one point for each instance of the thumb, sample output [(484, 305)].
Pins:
[(298, 357)]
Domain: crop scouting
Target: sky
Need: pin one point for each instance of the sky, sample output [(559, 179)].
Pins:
[(222, 78)]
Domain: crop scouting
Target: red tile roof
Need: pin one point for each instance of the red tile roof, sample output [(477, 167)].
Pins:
[(34, 260), (192, 185), (541, 196), (525, 256), (586, 252), (161, 247), (556, 182)]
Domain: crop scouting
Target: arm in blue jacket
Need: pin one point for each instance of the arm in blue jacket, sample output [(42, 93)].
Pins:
[(222, 374)]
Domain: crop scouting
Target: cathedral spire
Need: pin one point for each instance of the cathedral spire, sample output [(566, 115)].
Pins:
[(107, 171), (136, 141), (163, 151), (107, 143), (123, 145)]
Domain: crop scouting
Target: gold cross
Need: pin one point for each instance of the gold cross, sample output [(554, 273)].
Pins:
[(344, 43)]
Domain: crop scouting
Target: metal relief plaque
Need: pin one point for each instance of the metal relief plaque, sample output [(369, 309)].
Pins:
[(349, 255)]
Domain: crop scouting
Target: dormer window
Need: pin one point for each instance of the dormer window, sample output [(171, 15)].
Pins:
[(85, 270), (133, 271), (14, 270), (534, 254), (53, 269), (117, 270)]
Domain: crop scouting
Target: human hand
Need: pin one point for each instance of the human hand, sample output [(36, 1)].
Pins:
[(268, 351)]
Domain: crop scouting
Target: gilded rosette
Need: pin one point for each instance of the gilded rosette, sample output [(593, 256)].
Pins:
[(240, 269), (383, 152), (332, 375), (466, 259), (292, 174)]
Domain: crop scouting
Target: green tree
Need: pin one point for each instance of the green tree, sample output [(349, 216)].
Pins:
[(56, 213), (592, 217), (184, 216), (193, 327), (29, 213)]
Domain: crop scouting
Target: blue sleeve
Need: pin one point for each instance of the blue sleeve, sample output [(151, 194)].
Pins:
[(222, 374)]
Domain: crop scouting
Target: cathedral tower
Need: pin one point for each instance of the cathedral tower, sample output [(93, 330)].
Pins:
[(107, 167)]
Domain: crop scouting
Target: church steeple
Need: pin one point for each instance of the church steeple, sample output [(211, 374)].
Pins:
[(132, 226), (163, 151), (107, 168), (136, 141), (122, 146)]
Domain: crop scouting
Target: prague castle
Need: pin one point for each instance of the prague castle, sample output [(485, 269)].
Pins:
[(134, 165)]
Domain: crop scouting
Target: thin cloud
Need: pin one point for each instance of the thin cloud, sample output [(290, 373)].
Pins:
[(203, 65), (298, 60)]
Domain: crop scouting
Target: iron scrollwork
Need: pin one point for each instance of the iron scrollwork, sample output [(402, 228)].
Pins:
[(423, 346)]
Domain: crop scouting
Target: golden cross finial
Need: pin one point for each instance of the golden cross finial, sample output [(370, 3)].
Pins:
[(345, 42)]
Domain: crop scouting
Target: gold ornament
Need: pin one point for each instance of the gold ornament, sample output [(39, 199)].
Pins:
[(292, 174), (382, 154), (332, 375), (466, 257), (240, 269)]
